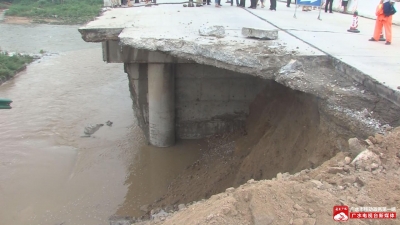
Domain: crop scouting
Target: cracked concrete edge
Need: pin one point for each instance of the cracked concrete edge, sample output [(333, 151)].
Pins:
[(193, 51), (224, 57), (266, 66), (100, 35), (196, 53), (352, 120), (370, 83)]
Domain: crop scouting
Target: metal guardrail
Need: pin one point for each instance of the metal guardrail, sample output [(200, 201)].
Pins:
[(5, 103)]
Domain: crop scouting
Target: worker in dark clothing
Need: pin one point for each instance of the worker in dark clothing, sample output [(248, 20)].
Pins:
[(328, 2), (253, 4), (290, 1), (273, 5), (242, 3)]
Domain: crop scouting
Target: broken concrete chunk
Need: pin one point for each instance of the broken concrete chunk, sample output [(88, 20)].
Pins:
[(121, 220), (291, 67), (356, 146), (387, 127), (260, 33), (366, 157), (216, 31), (159, 215)]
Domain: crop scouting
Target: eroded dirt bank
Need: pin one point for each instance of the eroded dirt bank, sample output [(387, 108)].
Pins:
[(286, 131), (307, 197)]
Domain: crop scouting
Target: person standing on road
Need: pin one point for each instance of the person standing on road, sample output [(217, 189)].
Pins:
[(328, 2), (290, 1), (253, 4), (383, 19), (273, 5), (262, 3), (344, 4)]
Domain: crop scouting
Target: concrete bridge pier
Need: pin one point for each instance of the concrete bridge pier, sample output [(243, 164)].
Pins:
[(175, 98), (161, 99)]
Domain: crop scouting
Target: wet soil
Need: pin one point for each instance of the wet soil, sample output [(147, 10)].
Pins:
[(285, 132), (370, 180)]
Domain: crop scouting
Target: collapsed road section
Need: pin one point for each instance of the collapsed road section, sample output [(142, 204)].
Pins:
[(264, 106), (187, 85)]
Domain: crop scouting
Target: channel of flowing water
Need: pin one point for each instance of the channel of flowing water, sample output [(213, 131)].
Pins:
[(49, 174)]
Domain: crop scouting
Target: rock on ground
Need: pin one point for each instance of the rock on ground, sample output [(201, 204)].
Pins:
[(216, 31), (260, 33), (355, 146)]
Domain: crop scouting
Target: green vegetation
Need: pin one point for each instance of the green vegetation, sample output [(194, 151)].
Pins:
[(4, 5), (9, 65), (56, 11)]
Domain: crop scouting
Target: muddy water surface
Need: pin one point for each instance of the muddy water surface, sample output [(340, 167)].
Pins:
[(49, 174)]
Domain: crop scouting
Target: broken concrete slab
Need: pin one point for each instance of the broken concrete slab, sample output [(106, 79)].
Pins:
[(216, 31), (291, 67), (260, 33), (121, 220), (169, 34)]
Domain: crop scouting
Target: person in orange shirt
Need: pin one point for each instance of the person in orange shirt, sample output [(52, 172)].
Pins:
[(382, 21)]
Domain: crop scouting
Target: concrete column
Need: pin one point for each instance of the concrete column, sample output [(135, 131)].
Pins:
[(161, 79), (138, 86)]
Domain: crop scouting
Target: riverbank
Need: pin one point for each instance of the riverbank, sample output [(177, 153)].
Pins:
[(54, 12), (10, 65)]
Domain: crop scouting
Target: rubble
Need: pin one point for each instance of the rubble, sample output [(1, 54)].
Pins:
[(288, 199), (216, 31), (260, 33), (356, 146)]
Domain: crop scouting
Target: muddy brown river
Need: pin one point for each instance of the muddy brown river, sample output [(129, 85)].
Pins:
[(49, 174)]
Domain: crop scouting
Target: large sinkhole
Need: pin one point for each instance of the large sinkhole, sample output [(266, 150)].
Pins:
[(253, 127)]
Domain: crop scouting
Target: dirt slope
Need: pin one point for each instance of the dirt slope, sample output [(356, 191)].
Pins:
[(285, 132), (307, 197)]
